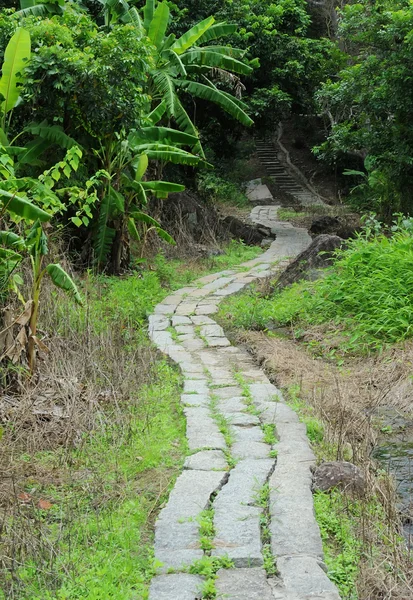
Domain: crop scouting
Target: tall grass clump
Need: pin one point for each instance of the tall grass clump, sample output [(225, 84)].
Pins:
[(367, 297)]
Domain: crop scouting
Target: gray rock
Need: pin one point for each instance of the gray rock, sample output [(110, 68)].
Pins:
[(158, 323), (228, 392), (201, 430), (250, 449), (218, 283), (229, 406), (206, 309), (215, 342), (237, 519), (179, 586), (186, 308), (242, 419), (195, 399), (303, 576), (181, 321), (232, 288), (264, 392), (341, 474), (200, 387), (202, 320), (207, 460), (212, 331), (185, 329), (243, 584)]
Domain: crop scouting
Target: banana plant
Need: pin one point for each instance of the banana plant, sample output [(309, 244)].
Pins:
[(35, 245), (40, 9), (179, 60), (126, 190), (16, 56)]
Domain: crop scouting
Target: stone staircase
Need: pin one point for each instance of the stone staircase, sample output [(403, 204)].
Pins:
[(285, 179)]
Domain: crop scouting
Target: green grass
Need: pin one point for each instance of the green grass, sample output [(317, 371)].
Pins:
[(95, 542), (336, 516), (364, 303)]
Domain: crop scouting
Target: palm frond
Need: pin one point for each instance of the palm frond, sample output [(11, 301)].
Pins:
[(217, 31), (212, 59), (189, 38), (206, 92)]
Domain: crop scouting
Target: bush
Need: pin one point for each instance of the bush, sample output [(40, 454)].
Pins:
[(367, 297)]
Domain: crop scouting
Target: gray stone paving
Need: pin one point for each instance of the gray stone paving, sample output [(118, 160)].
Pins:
[(212, 392)]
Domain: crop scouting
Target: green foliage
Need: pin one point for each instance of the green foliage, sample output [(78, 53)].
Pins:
[(336, 516), (370, 105), (216, 188), (366, 297)]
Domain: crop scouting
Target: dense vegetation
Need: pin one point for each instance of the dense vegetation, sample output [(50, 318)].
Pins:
[(106, 108)]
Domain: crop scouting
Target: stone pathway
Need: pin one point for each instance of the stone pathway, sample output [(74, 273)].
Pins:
[(286, 180), (247, 478)]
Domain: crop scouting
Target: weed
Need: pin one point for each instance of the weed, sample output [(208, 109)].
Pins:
[(269, 430), (206, 529)]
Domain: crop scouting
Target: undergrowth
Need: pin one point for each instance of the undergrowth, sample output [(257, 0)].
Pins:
[(363, 303), (92, 450)]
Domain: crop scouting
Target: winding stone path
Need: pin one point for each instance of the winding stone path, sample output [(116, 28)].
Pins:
[(230, 405)]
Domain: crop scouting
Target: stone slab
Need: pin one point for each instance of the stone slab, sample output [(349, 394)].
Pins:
[(258, 192), (201, 430), (195, 399), (216, 342), (228, 392), (202, 320), (200, 387), (206, 309), (243, 584), (244, 419), (303, 576), (178, 586), (186, 308), (218, 283), (237, 519), (207, 460), (212, 330), (178, 320), (185, 329), (232, 288)]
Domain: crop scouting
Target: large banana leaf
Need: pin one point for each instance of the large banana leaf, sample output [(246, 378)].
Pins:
[(217, 31), (213, 95), (227, 50), (132, 16), (162, 186), (53, 133), (159, 23), (208, 58), (185, 124), (144, 218), (16, 56), (33, 150), (168, 154), (104, 235), (9, 255), (175, 61), (156, 134), (156, 115), (168, 41), (12, 240), (62, 280), (166, 89), (140, 165), (192, 35), (148, 11), (22, 207)]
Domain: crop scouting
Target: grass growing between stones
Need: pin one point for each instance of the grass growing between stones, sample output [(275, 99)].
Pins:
[(263, 501), (96, 444), (208, 567)]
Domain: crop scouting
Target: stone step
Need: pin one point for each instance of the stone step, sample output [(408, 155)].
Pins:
[(237, 518)]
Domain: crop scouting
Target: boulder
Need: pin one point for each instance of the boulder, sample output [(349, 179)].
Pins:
[(309, 263), (333, 226), (324, 224), (253, 235), (339, 474)]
